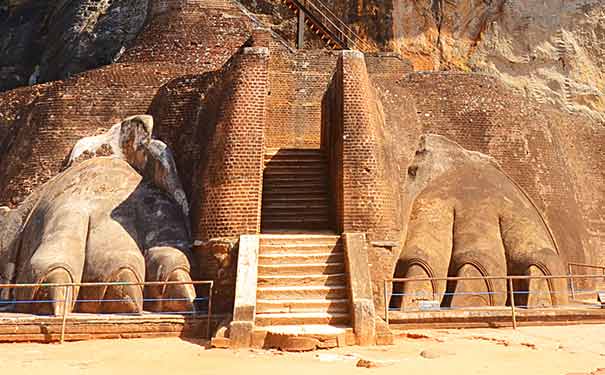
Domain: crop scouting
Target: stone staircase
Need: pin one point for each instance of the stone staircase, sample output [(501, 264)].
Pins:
[(295, 191), (302, 280)]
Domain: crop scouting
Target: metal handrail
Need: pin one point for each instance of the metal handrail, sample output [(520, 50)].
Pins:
[(342, 23), (583, 265), (509, 280), (69, 292), (356, 41)]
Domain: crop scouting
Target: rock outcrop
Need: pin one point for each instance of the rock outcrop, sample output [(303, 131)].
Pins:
[(42, 41)]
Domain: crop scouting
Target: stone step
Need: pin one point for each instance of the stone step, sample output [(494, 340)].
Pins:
[(303, 280), (292, 217), (300, 258), (300, 224), (287, 180), (306, 305), (296, 152), (302, 292), (300, 269), (317, 190), (278, 211), (294, 240), (270, 174), (272, 319), (301, 248), (297, 163), (292, 227), (296, 167), (295, 198), (319, 162)]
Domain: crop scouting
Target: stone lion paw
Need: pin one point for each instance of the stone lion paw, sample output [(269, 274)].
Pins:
[(118, 217), (467, 218)]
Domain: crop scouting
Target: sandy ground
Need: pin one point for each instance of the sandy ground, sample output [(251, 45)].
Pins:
[(529, 350)]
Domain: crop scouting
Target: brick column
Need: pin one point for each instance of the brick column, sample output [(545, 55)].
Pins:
[(231, 190), (367, 201)]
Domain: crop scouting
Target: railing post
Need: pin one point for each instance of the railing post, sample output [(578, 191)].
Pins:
[(386, 303), (209, 310), (571, 283), (66, 301), (512, 302), (300, 38)]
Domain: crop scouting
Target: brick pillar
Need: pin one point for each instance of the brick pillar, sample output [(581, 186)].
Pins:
[(367, 202), (231, 190)]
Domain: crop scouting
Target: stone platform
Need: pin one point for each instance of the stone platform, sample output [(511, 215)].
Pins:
[(496, 317), (35, 328)]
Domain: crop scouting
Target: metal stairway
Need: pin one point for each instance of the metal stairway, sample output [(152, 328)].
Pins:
[(328, 27)]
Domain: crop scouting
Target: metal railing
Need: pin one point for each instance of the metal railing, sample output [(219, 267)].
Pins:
[(570, 267), (510, 294), (201, 305), (323, 17)]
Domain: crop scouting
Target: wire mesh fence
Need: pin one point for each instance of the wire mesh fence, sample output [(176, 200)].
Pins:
[(422, 294), (65, 300)]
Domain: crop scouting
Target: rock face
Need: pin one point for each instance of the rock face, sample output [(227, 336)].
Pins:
[(48, 40), (548, 50), (101, 220)]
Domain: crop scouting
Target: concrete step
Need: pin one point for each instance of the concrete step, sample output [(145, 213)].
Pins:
[(302, 292), (294, 240), (272, 319), (303, 280), (300, 258), (305, 306), (301, 269)]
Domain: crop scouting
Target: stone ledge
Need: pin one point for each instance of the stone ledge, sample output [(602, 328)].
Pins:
[(496, 317), (33, 328)]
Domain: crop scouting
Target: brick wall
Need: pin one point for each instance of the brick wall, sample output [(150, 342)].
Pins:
[(82, 106), (298, 81)]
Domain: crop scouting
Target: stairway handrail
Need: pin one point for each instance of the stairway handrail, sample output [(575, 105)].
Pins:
[(342, 33), (346, 27), (355, 42)]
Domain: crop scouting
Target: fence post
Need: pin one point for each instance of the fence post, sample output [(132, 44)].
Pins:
[(66, 301), (386, 303), (512, 302)]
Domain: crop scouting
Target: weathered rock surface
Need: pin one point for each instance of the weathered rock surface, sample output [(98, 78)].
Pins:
[(47, 40), (551, 50)]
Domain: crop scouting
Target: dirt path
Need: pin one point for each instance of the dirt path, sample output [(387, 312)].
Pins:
[(529, 350)]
